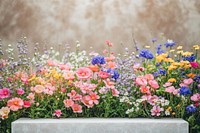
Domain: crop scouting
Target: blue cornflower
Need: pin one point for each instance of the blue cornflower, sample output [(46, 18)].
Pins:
[(146, 54), (158, 64), (98, 60), (190, 58), (155, 74), (169, 43), (191, 109), (114, 73), (185, 91), (196, 78), (161, 71)]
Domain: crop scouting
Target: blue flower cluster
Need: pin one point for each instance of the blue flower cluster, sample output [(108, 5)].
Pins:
[(191, 109), (159, 50), (114, 73), (170, 43), (185, 91), (146, 54), (190, 58), (161, 71), (98, 60)]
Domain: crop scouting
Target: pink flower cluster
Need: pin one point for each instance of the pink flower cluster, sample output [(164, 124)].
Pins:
[(147, 83)]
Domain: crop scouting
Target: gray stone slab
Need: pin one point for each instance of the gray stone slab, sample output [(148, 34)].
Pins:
[(99, 125)]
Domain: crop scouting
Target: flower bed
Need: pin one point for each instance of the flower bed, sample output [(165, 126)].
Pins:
[(135, 84)]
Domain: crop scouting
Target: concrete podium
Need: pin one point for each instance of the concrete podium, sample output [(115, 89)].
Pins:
[(100, 125)]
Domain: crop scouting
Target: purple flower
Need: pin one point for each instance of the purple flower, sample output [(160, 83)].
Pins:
[(185, 91), (170, 43), (146, 54), (98, 60), (154, 40), (191, 109)]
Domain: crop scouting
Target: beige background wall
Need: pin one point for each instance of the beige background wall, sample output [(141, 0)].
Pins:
[(52, 22)]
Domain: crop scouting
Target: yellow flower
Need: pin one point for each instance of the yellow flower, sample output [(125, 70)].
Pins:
[(180, 52), (173, 113), (196, 47), (172, 67), (187, 66), (169, 109), (179, 47), (171, 80), (32, 78), (147, 46), (172, 50), (168, 60), (187, 53)]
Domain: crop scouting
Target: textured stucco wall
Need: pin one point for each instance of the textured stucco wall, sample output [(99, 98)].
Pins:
[(92, 22)]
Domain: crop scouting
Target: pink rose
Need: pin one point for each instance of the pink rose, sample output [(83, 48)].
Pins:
[(84, 73)]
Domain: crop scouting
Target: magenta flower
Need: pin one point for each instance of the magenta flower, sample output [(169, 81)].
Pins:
[(194, 64), (4, 93), (155, 111), (20, 91)]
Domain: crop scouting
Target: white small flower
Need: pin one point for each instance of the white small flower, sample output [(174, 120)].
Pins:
[(167, 113)]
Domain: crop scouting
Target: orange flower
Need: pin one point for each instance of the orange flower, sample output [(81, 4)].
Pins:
[(191, 75), (94, 68), (111, 64)]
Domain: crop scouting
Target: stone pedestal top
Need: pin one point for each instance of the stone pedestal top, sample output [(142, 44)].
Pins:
[(100, 125)]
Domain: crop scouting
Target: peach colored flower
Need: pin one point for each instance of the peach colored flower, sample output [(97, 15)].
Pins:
[(63, 90), (94, 68), (4, 111), (109, 84), (84, 73), (141, 80), (111, 58), (77, 108), (39, 88), (87, 101), (57, 113), (27, 104), (154, 84), (68, 75), (51, 63), (145, 89), (15, 104), (68, 103), (31, 96), (103, 74), (115, 92), (71, 94), (64, 67), (94, 97), (149, 77), (111, 64), (4, 93)]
